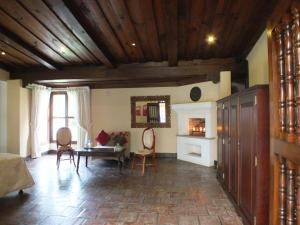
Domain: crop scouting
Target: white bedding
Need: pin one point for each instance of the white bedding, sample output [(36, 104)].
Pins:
[(14, 174)]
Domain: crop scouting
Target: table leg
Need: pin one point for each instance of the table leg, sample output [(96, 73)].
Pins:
[(86, 161), (78, 159), (120, 164)]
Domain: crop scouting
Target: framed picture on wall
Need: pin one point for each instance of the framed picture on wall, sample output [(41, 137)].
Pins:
[(144, 110), (138, 110)]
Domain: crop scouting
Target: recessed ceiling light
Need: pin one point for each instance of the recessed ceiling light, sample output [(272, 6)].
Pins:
[(3, 53), (211, 39), (133, 44)]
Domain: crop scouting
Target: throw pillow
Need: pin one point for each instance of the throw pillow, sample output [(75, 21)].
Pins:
[(103, 138)]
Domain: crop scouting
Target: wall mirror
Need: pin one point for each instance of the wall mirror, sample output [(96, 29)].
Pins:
[(150, 111)]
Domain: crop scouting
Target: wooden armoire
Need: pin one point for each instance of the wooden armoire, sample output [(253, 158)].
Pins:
[(243, 152)]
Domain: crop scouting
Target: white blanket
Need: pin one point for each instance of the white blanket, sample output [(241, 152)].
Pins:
[(14, 174)]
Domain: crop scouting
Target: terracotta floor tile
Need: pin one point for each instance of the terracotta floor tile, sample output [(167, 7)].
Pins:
[(179, 193), (188, 220)]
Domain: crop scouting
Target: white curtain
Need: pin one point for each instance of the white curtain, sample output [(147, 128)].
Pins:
[(80, 97), (39, 118)]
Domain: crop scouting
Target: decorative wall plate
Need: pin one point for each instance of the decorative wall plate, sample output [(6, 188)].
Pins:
[(195, 94)]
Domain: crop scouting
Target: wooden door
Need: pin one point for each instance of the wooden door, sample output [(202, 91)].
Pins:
[(247, 130), (220, 123), (226, 146), (233, 152)]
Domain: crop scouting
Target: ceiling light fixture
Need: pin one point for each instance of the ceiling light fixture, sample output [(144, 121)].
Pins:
[(211, 39), (133, 44), (3, 53)]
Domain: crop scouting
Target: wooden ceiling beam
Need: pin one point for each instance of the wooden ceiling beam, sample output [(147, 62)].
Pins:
[(162, 82), (13, 40), (187, 72), (171, 10)]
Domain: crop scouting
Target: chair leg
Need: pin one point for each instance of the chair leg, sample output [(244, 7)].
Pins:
[(132, 163), (154, 162), (58, 159), (143, 166)]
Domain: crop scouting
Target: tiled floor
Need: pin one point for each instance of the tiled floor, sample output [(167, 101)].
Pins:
[(179, 193)]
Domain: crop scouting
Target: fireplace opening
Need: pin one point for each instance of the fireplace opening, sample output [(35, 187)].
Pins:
[(197, 127)]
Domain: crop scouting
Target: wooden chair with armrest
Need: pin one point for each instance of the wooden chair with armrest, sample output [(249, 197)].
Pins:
[(64, 141), (148, 151)]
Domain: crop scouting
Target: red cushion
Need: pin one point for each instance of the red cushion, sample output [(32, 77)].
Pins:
[(103, 138)]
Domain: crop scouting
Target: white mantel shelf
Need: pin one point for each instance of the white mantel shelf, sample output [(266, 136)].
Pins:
[(197, 149), (193, 106), (197, 137)]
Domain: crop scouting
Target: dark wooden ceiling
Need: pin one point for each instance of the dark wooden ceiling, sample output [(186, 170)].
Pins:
[(59, 33)]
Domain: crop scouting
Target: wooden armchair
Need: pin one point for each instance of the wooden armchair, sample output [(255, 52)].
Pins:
[(148, 151)]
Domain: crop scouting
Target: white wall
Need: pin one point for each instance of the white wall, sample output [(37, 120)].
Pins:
[(18, 108), (110, 109), (258, 62), (3, 117)]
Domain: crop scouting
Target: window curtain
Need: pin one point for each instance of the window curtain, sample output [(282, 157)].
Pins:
[(39, 118), (80, 96)]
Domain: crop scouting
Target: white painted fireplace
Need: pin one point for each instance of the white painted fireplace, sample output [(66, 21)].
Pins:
[(197, 144)]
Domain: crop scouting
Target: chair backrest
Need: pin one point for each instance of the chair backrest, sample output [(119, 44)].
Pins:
[(63, 136), (148, 139)]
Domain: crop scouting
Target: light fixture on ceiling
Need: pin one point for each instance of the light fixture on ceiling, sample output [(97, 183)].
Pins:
[(62, 49), (132, 44), (3, 53), (211, 39)]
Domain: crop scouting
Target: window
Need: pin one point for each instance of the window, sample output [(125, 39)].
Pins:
[(61, 115)]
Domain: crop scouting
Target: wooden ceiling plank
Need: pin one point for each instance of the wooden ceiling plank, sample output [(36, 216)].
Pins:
[(245, 17), (196, 26), (91, 17), (63, 12), (183, 14), (14, 41), (16, 53), (151, 26), (222, 18), (259, 24), (25, 18), (206, 29), (120, 20), (14, 60), (137, 18), (161, 27), (172, 31), (17, 30), (51, 22)]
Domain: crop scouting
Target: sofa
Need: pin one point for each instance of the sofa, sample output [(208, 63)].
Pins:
[(108, 139)]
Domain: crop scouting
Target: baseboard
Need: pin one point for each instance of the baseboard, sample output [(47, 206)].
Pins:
[(162, 155)]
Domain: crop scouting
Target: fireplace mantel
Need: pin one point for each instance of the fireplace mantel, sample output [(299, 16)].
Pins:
[(195, 149)]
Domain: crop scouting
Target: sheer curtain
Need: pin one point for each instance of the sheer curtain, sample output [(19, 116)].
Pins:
[(80, 97), (39, 118)]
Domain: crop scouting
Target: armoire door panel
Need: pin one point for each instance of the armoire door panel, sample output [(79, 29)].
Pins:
[(247, 152), (233, 153), (226, 142), (220, 169)]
